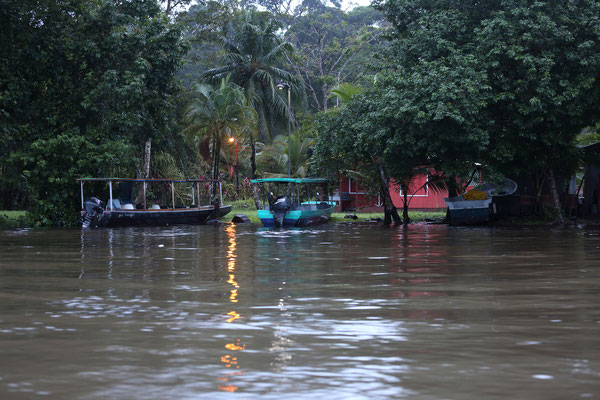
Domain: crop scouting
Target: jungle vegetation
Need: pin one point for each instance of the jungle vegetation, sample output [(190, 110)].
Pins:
[(114, 88)]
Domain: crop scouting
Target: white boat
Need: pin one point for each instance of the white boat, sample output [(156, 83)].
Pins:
[(472, 212)]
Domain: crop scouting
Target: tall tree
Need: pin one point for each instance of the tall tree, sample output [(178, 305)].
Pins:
[(253, 50), (76, 77), (538, 63), (217, 111), (333, 47)]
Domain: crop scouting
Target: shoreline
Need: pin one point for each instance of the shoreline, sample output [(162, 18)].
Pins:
[(18, 219)]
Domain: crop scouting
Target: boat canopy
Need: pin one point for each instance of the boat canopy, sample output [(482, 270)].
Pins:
[(110, 181), (290, 180), (142, 180)]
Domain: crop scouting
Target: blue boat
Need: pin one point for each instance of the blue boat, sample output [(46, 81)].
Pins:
[(287, 210)]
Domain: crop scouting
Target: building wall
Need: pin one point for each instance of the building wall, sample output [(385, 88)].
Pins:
[(355, 197)]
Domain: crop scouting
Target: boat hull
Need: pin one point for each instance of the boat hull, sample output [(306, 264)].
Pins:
[(468, 212), (183, 216), (297, 217), (469, 216)]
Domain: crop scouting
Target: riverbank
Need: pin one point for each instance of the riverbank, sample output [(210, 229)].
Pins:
[(10, 219), (13, 218)]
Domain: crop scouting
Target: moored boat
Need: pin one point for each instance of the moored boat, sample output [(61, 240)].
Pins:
[(121, 211), (476, 206), (287, 210)]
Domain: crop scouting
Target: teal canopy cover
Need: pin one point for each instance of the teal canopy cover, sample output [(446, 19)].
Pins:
[(289, 180)]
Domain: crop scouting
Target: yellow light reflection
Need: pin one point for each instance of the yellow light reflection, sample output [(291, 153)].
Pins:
[(235, 346), (228, 388), (231, 258), (229, 360), (234, 316)]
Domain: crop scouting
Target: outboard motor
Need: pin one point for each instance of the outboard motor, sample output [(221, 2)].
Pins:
[(93, 211), (279, 208)]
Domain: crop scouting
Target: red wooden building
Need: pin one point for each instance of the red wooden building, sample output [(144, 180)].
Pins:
[(353, 197)]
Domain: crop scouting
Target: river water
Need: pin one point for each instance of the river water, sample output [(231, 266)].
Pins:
[(342, 311)]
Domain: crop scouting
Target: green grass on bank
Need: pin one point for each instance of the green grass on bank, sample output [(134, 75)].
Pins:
[(245, 207), (415, 216), (13, 218)]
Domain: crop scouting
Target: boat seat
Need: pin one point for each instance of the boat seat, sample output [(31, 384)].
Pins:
[(128, 206)]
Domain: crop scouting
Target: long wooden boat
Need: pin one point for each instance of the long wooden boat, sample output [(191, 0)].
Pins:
[(121, 211), (287, 210)]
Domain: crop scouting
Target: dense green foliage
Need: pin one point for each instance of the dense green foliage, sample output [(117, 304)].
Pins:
[(83, 85), (505, 83), (530, 68)]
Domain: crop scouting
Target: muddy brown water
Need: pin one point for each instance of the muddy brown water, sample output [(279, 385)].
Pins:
[(342, 311)]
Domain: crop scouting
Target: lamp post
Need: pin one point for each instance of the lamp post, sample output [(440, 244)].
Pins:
[(281, 85), (237, 151)]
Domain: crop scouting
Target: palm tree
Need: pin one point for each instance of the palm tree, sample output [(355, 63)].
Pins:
[(252, 50), (276, 155), (345, 91), (217, 111)]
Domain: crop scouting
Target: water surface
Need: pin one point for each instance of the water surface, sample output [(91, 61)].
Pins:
[(346, 311)]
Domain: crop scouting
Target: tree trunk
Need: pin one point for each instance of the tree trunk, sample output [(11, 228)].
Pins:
[(144, 173), (405, 216), (555, 200), (215, 177), (253, 158), (147, 152), (389, 209), (452, 192), (540, 178)]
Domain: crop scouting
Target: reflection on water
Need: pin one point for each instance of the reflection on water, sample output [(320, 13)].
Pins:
[(230, 360), (343, 310)]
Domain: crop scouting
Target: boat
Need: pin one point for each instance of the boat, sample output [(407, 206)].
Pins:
[(286, 210), (476, 206), (121, 211)]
